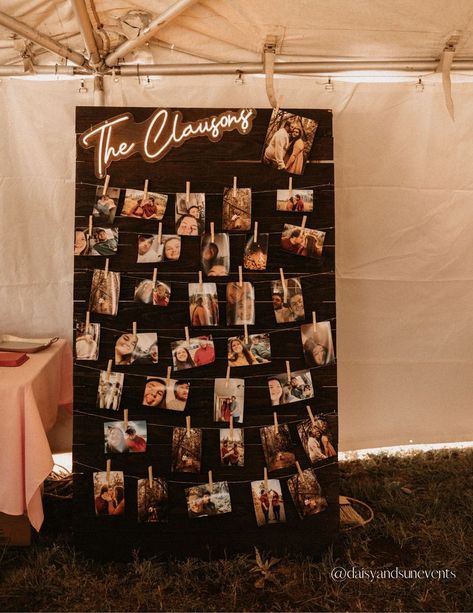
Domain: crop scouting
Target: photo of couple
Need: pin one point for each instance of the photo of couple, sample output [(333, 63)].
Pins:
[(302, 241), (277, 447), (190, 215), (102, 241), (172, 395), (199, 351), (140, 348), (284, 390), (288, 301), (318, 344), (151, 207), (121, 439), (236, 208), (206, 500), (105, 207), (229, 400), (306, 493), (186, 450), (203, 304), (215, 255), (152, 250), (288, 141), (268, 502), (240, 303), (87, 341), (157, 294), (316, 439), (300, 201), (257, 350), (109, 390), (232, 449), (109, 495)]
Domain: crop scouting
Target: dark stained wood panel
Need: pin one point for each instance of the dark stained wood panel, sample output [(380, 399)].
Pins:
[(210, 167)]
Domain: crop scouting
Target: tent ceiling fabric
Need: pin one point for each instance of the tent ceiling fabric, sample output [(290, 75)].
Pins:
[(235, 30)]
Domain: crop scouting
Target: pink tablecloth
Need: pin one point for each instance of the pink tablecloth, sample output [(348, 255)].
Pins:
[(29, 399)]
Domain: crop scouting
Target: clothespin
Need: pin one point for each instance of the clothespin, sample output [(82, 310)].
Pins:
[(231, 428), (288, 371), (245, 328), (314, 321), (145, 190), (276, 424), (105, 185), (283, 283), (87, 322), (227, 378), (212, 232), (91, 219), (108, 469), (125, 419), (200, 280), (107, 261), (311, 415), (150, 477), (240, 276), (304, 220), (109, 369), (168, 376), (299, 470), (290, 187), (160, 232), (265, 478), (188, 425), (234, 187), (211, 483), (255, 233), (186, 332), (188, 191), (135, 327), (155, 276)]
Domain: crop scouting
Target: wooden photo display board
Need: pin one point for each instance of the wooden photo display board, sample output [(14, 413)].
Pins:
[(210, 167)]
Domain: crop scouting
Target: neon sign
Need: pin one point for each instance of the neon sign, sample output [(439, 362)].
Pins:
[(119, 137)]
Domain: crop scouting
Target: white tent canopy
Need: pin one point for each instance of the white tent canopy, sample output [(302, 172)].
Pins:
[(404, 184)]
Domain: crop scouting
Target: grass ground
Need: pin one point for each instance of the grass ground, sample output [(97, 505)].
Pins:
[(423, 507)]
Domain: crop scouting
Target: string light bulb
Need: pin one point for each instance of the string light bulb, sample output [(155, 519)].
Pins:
[(239, 78), (82, 89), (114, 76), (329, 85), (147, 83), (419, 86)]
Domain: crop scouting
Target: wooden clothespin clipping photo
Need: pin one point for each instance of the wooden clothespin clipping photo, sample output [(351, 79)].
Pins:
[(234, 187), (108, 469), (290, 187), (304, 221), (186, 332), (288, 371), (125, 419), (311, 415), (91, 220), (212, 232), (105, 185), (255, 233), (188, 192), (107, 262), (160, 232), (188, 425), (155, 277), (314, 321), (265, 478), (109, 369), (231, 428), (150, 477), (240, 276), (87, 322), (284, 284), (211, 482), (145, 190), (200, 280), (168, 376), (134, 328), (227, 378), (276, 423), (299, 470), (245, 331)]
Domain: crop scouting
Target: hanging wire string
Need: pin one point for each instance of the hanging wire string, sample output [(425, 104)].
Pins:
[(230, 482)]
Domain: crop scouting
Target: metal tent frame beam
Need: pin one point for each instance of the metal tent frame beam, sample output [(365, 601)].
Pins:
[(42, 40), (87, 31), (156, 24)]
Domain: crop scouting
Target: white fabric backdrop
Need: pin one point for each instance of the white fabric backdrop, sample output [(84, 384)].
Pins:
[(404, 194)]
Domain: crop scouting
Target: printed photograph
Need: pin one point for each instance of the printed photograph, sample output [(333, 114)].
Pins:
[(87, 341), (203, 304), (109, 392), (105, 292), (282, 391), (268, 502), (255, 255), (103, 241), (318, 345), (215, 255), (172, 397), (119, 439), (151, 207), (299, 201), (302, 241), (288, 307), (186, 450), (229, 400), (232, 447), (150, 250), (316, 439), (240, 303), (158, 294), (236, 209), (152, 501), (105, 207), (277, 447), (199, 351), (203, 501), (306, 493), (190, 216), (256, 351), (109, 495), (288, 141), (140, 348)]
